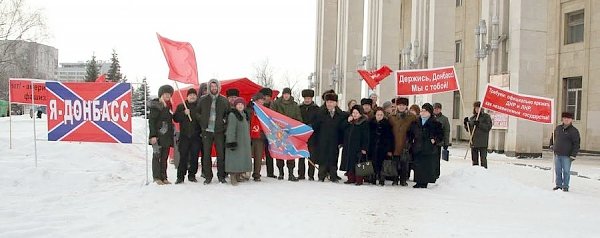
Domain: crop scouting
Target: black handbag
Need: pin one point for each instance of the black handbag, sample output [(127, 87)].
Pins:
[(445, 154), (364, 169), (389, 168)]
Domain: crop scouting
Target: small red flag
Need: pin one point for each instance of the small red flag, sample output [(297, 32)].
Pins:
[(101, 78), (374, 78), (181, 59)]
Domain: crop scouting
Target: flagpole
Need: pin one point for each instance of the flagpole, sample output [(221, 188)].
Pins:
[(183, 100), (9, 119), (462, 101), (146, 122), (34, 119)]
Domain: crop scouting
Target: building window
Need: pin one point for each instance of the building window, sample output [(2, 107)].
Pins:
[(459, 3), (456, 105), (572, 96), (574, 27), (457, 51)]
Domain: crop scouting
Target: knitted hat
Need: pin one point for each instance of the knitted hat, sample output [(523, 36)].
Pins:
[(428, 107), (287, 91), (239, 100)]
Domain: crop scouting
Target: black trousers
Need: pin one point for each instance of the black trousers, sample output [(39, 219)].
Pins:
[(159, 164), (403, 169), (477, 154), (291, 164), (208, 139), (330, 170), (269, 160), (188, 156), (302, 168)]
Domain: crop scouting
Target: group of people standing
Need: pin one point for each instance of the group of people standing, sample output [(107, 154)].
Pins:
[(412, 138)]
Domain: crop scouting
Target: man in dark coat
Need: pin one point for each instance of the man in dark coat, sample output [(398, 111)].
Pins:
[(211, 110), (287, 107), (481, 122), (565, 144), (309, 110), (329, 137), (268, 93), (437, 113), (160, 124), (189, 138), (424, 135)]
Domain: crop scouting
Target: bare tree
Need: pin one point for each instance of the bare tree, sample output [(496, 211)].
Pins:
[(18, 24), (264, 74), (293, 84)]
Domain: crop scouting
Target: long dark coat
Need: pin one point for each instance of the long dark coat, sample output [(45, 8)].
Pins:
[(423, 151), (482, 131), (381, 141), (356, 138), (328, 136)]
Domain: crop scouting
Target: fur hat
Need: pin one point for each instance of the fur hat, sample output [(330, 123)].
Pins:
[(308, 93), (566, 115), (402, 100), (267, 92), (365, 101), (232, 92), (165, 89), (327, 92), (358, 108), (286, 90), (428, 107), (192, 91), (331, 97)]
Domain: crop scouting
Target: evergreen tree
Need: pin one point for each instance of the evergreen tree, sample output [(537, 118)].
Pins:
[(92, 70), (138, 99), (114, 72)]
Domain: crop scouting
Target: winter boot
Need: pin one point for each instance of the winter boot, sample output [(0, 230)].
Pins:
[(207, 181), (351, 178), (556, 188), (359, 180), (234, 178), (179, 180), (166, 181), (192, 178), (159, 182), (222, 180)]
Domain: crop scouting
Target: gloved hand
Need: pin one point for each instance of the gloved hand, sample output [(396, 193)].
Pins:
[(466, 120), (476, 123), (232, 145)]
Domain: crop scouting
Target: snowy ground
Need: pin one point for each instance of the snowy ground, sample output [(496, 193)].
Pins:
[(94, 190)]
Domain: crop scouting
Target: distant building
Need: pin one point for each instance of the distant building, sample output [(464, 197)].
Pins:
[(75, 72), (28, 60)]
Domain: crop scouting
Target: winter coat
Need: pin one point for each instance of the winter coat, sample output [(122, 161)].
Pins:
[(160, 123), (482, 132), (328, 136), (567, 141), (400, 124), (188, 129), (446, 128), (309, 112), (238, 158), (422, 150), (288, 108), (204, 106), (356, 138), (381, 139)]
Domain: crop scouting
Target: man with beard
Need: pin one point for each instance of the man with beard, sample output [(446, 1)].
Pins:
[(189, 138), (211, 111), (309, 110)]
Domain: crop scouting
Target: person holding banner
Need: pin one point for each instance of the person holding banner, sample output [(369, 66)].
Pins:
[(160, 124), (211, 111), (437, 113), (423, 136), (328, 135), (400, 124), (309, 110), (268, 93), (288, 107), (479, 125), (189, 138), (565, 144)]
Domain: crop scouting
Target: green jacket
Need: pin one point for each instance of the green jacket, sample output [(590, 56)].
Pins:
[(288, 108)]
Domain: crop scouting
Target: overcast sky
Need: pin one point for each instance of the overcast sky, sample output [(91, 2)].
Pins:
[(228, 36)]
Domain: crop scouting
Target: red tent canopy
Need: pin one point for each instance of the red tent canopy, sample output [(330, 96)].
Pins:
[(247, 89)]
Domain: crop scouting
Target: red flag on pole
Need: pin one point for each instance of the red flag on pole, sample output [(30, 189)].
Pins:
[(374, 78), (181, 59), (101, 78)]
